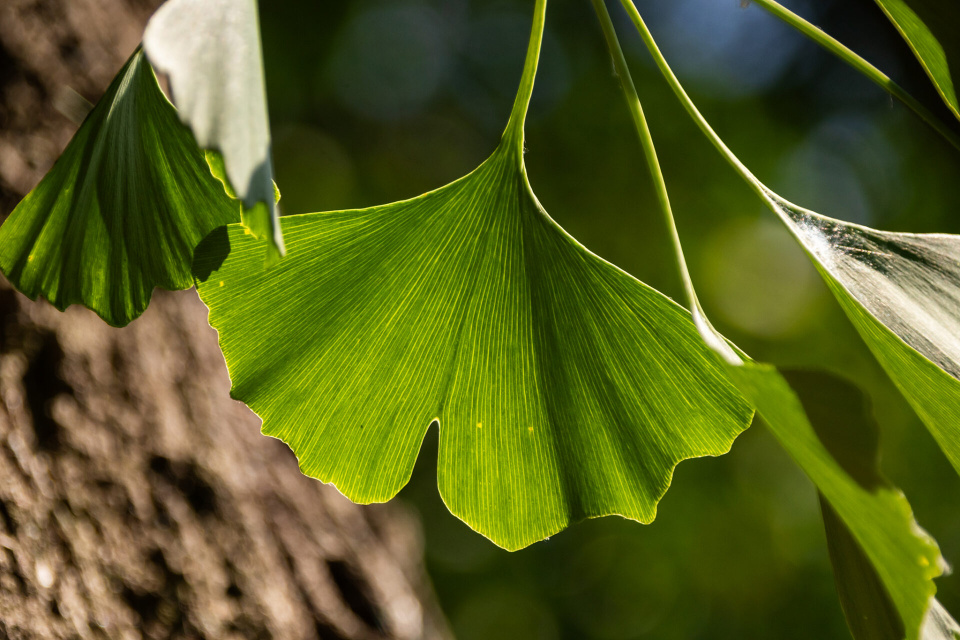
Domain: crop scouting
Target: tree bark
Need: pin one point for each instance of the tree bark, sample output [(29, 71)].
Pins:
[(136, 498)]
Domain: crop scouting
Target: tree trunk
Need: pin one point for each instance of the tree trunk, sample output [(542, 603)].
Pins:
[(136, 498)]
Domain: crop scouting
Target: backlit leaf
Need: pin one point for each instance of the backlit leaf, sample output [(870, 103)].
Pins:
[(902, 292), (210, 49), (822, 427), (122, 209), (564, 388), (841, 415), (870, 613)]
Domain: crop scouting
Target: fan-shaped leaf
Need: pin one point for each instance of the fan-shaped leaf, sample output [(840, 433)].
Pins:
[(836, 448), (870, 612), (932, 29), (211, 51), (122, 209), (564, 388), (840, 414)]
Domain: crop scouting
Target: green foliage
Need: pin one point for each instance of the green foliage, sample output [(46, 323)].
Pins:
[(211, 51), (870, 612), (122, 209), (912, 283), (932, 29), (564, 388), (847, 475), (900, 290)]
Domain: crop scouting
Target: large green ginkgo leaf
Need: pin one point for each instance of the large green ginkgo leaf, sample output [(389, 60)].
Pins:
[(122, 209), (563, 387), (932, 29), (210, 50)]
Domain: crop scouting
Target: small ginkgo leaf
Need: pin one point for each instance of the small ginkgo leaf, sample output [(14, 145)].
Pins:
[(878, 516), (902, 292), (564, 388), (932, 29), (210, 49), (122, 209)]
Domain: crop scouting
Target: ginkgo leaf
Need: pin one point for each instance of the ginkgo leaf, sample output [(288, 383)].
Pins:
[(870, 612), (932, 29), (902, 292), (210, 49), (121, 211), (564, 388), (878, 516), (867, 606)]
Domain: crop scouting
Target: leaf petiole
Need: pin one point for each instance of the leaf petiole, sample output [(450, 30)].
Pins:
[(709, 334), (518, 114)]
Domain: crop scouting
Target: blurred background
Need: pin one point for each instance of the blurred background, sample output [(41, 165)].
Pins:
[(376, 101)]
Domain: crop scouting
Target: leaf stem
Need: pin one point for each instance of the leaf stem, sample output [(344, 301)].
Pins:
[(846, 54), (709, 334), (646, 140), (688, 104), (518, 114)]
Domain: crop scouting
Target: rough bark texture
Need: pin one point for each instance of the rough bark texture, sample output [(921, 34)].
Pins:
[(136, 498)]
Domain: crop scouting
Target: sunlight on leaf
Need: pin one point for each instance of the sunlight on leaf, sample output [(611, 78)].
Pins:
[(870, 612), (932, 29), (902, 292), (211, 51), (122, 209), (825, 432), (564, 388)]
